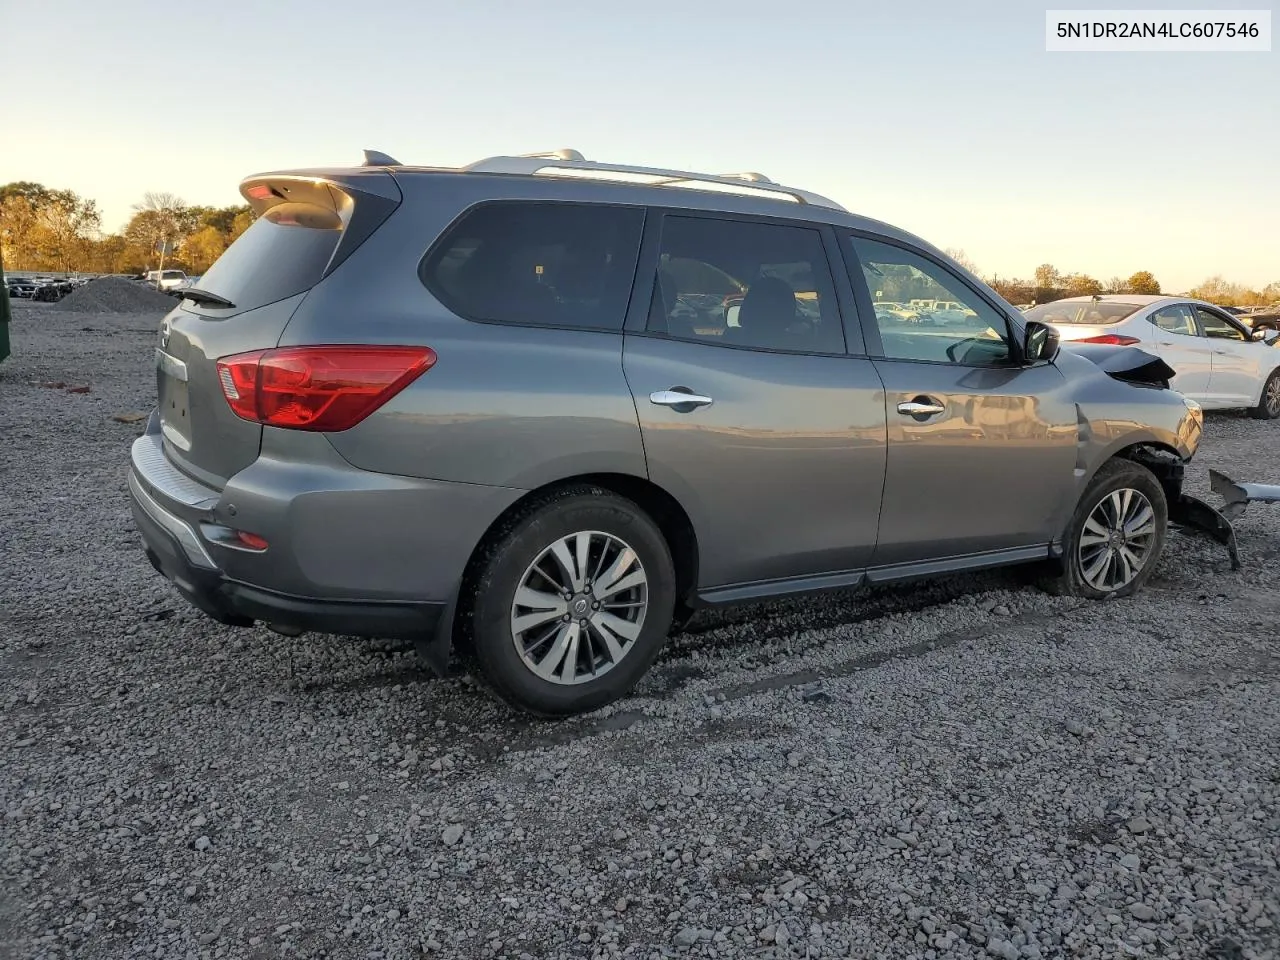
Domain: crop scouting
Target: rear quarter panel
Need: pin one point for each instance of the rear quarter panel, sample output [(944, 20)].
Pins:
[(504, 405)]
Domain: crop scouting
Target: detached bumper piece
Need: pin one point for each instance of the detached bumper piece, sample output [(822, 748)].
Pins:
[(1239, 495), (1190, 513), (1187, 511)]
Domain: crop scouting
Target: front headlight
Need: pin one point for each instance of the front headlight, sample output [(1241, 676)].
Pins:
[(1192, 405)]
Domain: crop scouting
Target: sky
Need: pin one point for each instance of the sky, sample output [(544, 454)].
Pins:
[(946, 119)]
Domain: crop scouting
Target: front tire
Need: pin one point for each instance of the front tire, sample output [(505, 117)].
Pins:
[(1268, 407), (1116, 535), (573, 601)]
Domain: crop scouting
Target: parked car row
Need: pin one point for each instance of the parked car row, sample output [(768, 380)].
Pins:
[(46, 289)]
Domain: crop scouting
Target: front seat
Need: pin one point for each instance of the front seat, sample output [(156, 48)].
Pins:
[(767, 310)]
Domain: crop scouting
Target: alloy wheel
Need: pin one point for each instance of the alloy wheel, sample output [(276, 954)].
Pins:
[(1117, 540), (579, 607)]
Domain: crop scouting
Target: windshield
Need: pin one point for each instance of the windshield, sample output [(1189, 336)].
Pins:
[(1090, 312)]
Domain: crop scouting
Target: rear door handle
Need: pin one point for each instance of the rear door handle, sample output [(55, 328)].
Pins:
[(915, 408), (678, 397)]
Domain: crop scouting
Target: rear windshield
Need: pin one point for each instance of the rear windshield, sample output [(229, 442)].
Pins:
[(1095, 313), (283, 253)]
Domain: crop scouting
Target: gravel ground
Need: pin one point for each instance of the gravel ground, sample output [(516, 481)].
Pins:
[(968, 768)]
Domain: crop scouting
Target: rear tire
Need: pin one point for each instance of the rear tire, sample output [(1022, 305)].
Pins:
[(573, 601), (1116, 535), (1268, 407)]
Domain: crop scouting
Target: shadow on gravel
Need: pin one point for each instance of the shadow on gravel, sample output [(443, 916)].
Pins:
[(872, 660), (530, 734)]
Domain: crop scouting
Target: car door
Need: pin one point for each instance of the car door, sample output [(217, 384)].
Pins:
[(1237, 360), (1182, 345), (981, 448), (768, 432)]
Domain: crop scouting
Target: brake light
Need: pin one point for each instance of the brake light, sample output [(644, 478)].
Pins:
[(1115, 339), (259, 192), (327, 389)]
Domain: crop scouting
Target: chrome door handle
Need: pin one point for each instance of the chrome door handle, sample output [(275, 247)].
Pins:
[(914, 408), (679, 398)]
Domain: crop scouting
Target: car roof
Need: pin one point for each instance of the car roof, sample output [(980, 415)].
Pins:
[(1141, 299), (515, 178), (1138, 299)]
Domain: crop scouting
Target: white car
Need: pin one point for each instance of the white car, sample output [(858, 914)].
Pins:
[(892, 310), (168, 281), (1220, 362)]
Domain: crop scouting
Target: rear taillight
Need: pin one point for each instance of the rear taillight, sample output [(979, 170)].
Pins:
[(327, 389), (1115, 339)]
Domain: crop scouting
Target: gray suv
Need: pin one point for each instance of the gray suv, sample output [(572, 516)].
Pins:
[(542, 409)]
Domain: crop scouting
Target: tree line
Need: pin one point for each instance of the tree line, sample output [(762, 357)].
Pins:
[(1049, 284), (43, 229)]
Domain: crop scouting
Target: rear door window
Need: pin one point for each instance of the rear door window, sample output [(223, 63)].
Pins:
[(1175, 318), (538, 263), (283, 253), (743, 283)]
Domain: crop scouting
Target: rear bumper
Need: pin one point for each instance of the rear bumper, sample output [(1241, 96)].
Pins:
[(176, 551)]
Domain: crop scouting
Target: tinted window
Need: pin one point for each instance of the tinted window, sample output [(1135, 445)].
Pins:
[(547, 264), (1175, 318), (944, 320), (745, 284), (1217, 326), (283, 253)]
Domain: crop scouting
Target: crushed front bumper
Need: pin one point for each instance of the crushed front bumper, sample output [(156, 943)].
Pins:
[(1189, 512)]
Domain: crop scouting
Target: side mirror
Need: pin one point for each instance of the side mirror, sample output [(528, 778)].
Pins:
[(1039, 342), (1263, 333)]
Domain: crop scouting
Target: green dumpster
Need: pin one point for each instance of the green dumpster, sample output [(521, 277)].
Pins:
[(4, 316)]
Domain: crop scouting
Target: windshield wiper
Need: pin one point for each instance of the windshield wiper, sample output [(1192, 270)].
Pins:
[(204, 296)]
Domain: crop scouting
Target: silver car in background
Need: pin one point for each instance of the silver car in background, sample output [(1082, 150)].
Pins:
[(542, 409), (1221, 362)]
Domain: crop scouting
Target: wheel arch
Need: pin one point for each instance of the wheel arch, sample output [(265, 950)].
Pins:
[(1262, 390), (664, 509), (1162, 459)]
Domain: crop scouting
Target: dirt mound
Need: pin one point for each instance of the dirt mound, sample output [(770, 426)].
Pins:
[(115, 295)]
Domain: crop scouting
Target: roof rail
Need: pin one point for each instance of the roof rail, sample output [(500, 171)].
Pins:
[(571, 163)]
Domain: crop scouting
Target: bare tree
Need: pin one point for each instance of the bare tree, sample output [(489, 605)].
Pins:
[(161, 219), (959, 256)]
